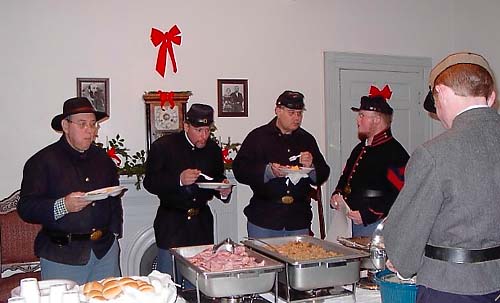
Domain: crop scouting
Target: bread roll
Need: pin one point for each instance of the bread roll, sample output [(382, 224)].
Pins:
[(93, 293), (147, 288), (99, 298), (94, 285), (111, 284), (108, 279), (111, 292), (126, 280), (132, 284)]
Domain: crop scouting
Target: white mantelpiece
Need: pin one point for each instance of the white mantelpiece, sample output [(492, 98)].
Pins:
[(139, 211)]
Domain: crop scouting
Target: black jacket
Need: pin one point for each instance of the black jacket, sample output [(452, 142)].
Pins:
[(56, 171), (264, 145), (378, 167), (168, 157)]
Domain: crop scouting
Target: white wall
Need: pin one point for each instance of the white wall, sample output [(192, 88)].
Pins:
[(275, 44)]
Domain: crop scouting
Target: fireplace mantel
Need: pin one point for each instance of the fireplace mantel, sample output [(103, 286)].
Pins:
[(139, 211)]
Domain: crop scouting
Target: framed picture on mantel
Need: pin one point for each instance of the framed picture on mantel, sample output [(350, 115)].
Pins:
[(162, 120)]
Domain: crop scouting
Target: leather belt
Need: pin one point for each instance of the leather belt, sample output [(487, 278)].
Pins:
[(462, 255), (192, 212), (287, 200), (370, 193), (65, 238)]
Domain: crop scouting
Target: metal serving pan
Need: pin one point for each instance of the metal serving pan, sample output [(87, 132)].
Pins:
[(227, 283), (313, 273)]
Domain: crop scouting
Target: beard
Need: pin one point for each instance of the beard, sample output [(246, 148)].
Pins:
[(362, 136)]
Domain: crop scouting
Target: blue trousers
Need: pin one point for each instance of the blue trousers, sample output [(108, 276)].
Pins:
[(359, 230), (255, 231), (95, 269), (165, 265), (429, 295)]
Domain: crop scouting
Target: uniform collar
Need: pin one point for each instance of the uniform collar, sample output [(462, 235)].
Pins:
[(382, 137)]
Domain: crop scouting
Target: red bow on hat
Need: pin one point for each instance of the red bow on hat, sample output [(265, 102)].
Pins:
[(166, 40), (385, 93), (112, 154), (166, 97)]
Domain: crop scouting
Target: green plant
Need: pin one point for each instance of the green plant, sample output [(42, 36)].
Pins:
[(128, 164), (229, 149)]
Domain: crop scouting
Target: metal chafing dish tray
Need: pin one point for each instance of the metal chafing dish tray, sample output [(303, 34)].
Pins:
[(313, 273), (227, 283)]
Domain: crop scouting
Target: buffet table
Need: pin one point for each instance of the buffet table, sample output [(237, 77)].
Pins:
[(362, 296)]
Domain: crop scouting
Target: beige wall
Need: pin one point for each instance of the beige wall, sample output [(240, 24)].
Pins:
[(275, 44)]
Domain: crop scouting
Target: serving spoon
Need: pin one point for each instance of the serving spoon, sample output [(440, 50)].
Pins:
[(293, 158)]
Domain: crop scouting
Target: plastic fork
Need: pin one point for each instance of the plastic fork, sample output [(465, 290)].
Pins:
[(293, 158), (206, 177)]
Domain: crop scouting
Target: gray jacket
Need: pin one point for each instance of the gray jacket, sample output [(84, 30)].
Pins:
[(451, 198)]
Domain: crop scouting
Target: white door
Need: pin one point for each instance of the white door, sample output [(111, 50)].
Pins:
[(348, 77), (407, 122)]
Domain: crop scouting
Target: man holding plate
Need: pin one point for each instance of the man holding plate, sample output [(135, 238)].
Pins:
[(374, 172), (78, 236), (186, 170), (280, 161)]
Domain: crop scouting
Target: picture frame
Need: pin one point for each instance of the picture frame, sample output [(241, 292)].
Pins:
[(96, 90), (164, 120), (232, 97)]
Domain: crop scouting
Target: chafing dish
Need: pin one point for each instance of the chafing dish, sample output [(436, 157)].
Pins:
[(314, 273), (227, 283)]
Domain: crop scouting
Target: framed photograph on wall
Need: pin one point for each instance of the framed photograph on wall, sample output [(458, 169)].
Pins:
[(232, 98), (96, 90)]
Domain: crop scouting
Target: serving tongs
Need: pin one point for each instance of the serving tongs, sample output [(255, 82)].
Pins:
[(353, 244), (262, 242), (228, 244)]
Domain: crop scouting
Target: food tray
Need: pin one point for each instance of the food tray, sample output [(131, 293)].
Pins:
[(314, 273), (227, 283)]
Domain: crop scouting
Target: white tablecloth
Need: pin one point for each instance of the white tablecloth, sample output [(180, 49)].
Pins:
[(362, 296)]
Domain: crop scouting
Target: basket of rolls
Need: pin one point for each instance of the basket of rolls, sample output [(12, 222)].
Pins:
[(156, 287)]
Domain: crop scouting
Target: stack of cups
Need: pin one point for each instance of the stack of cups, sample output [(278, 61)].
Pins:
[(71, 296), (16, 300), (29, 290), (56, 293)]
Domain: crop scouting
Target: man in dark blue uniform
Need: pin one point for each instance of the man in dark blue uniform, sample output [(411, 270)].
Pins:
[(174, 165), (280, 205), (78, 237), (374, 172)]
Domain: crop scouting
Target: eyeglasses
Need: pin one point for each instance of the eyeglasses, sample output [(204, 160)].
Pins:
[(84, 124), (292, 112)]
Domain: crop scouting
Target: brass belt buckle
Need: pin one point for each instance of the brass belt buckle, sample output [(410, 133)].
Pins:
[(96, 235), (287, 199), (192, 212), (347, 190)]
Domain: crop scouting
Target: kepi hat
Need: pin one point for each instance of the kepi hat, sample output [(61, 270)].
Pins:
[(291, 100), (200, 115), (376, 101), (77, 105), (450, 60)]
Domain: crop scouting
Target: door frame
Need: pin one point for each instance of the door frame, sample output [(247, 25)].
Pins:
[(334, 62)]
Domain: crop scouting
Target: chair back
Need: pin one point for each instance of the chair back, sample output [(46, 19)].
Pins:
[(316, 195), (17, 258)]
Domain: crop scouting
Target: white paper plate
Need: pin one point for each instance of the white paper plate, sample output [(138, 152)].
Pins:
[(45, 286), (103, 193), (213, 185), (301, 170)]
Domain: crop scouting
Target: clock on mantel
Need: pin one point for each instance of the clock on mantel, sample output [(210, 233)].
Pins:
[(164, 120)]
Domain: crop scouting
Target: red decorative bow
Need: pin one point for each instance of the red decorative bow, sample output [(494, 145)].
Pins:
[(386, 92), (225, 155), (112, 154), (166, 40), (166, 97)]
